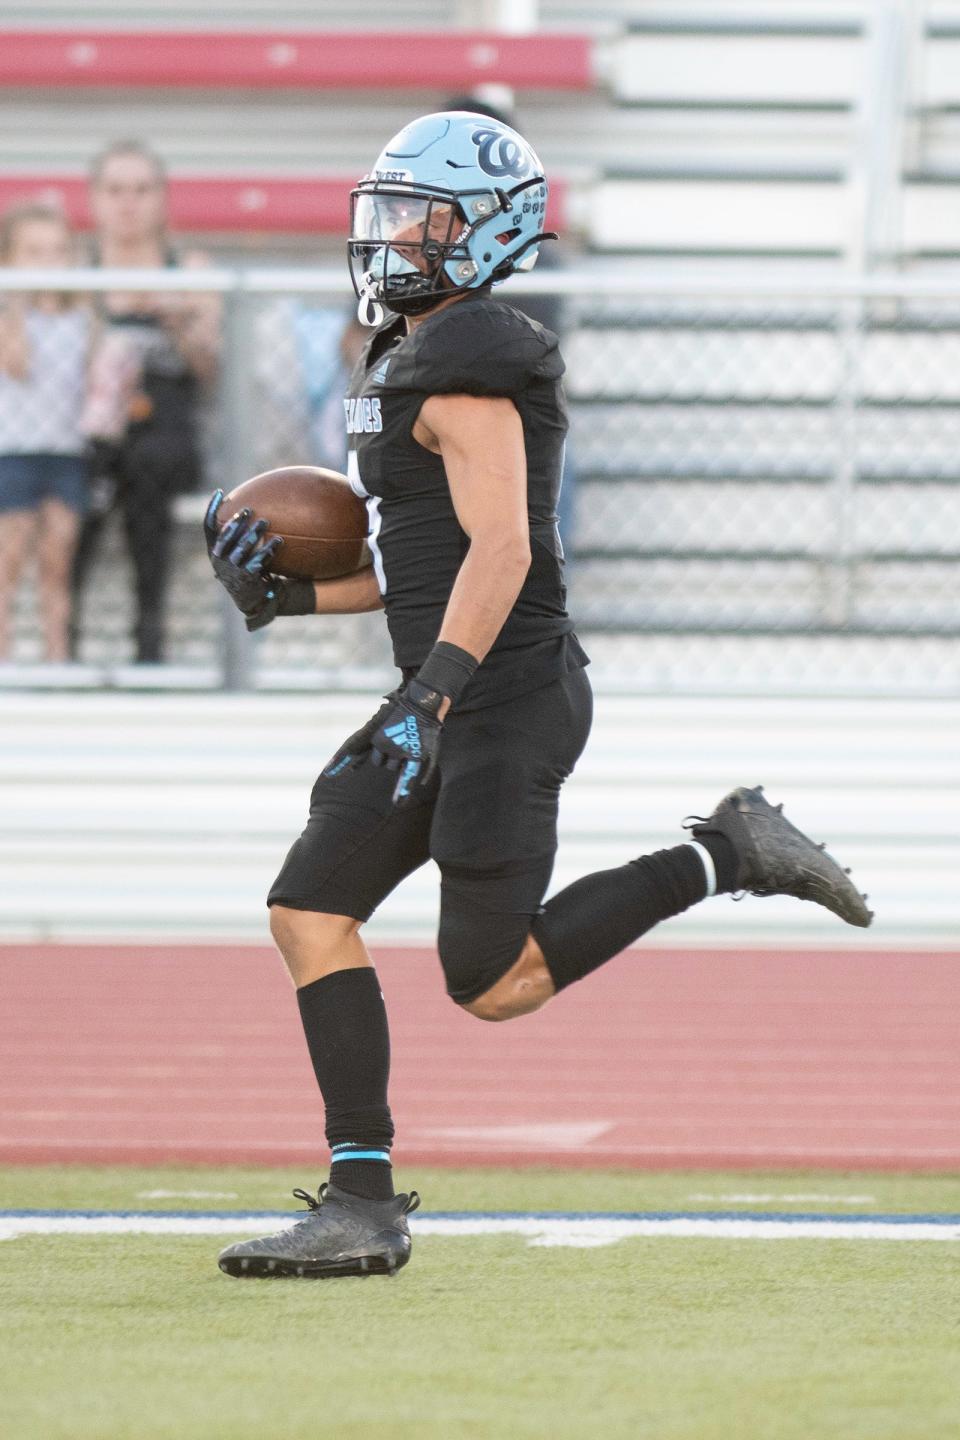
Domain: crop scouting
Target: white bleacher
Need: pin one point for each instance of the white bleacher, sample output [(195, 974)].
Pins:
[(730, 76), (169, 815), (705, 215), (674, 68), (227, 14), (705, 15), (931, 218), (787, 518)]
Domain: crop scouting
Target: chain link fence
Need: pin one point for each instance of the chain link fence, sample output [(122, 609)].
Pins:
[(763, 489)]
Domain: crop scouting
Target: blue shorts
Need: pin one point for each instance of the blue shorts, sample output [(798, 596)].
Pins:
[(27, 480)]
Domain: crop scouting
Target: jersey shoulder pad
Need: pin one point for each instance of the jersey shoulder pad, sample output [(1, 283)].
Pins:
[(478, 348)]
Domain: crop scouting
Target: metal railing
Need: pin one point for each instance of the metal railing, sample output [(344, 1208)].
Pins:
[(765, 477)]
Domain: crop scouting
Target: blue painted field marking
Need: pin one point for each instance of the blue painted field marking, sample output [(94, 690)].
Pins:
[(577, 1229), (468, 1215)]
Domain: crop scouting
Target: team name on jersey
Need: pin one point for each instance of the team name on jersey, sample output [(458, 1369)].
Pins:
[(363, 416)]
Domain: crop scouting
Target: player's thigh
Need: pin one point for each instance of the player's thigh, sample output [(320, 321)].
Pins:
[(494, 833), (356, 847)]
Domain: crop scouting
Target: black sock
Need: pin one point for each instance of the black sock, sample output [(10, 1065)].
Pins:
[(345, 1022), (724, 858), (595, 918)]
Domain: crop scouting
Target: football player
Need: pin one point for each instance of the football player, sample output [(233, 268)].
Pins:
[(456, 420)]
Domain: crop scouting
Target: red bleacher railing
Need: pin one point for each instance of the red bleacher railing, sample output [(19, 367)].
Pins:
[(292, 205), (337, 60)]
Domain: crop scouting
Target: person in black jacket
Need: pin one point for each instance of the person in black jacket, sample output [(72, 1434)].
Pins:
[(174, 340)]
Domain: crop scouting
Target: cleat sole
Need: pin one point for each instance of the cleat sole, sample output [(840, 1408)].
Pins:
[(257, 1268)]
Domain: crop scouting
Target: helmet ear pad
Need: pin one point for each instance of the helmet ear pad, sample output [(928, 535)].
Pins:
[(492, 245), (503, 240)]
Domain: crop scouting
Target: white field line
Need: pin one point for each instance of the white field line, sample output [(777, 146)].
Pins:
[(746, 1198), (571, 1231), (188, 1195)]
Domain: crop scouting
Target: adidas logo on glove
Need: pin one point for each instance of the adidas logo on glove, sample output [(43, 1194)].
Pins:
[(406, 735)]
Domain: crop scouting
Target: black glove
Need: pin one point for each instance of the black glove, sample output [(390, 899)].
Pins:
[(242, 565), (408, 737), (404, 734)]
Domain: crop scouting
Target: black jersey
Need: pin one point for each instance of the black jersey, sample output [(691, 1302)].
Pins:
[(478, 346)]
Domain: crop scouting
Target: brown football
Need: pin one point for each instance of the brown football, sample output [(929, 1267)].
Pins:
[(322, 523)]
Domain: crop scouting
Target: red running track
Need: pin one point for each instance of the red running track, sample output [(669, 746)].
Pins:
[(786, 1059)]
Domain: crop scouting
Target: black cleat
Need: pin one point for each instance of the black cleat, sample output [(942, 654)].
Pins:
[(341, 1234), (775, 858)]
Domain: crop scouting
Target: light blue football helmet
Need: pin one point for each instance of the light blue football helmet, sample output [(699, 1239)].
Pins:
[(455, 201)]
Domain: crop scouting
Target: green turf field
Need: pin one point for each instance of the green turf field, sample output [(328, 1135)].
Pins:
[(485, 1338)]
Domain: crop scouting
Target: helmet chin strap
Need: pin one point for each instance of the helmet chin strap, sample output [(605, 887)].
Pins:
[(369, 310), (372, 302)]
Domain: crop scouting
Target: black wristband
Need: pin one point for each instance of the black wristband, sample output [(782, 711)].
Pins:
[(296, 597), (447, 670)]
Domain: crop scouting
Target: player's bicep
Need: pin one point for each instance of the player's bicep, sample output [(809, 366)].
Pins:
[(481, 443)]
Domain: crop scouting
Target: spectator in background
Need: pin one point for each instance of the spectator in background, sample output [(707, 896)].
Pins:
[(46, 342), (174, 339), (297, 370), (327, 431), (547, 310), (302, 359)]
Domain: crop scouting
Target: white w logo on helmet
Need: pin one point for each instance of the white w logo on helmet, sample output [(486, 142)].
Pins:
[(500, 154)]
